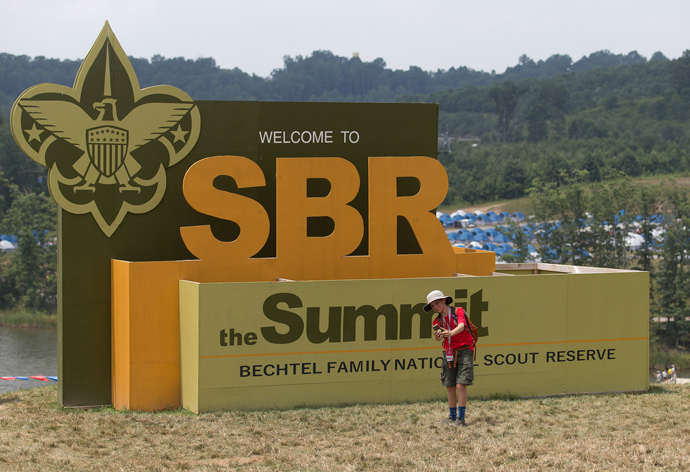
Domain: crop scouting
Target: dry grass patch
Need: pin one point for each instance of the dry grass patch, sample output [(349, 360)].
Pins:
[(606, 432)]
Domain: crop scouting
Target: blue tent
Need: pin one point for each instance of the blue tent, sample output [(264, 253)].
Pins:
[(445, 219), (453, 236), (465, 236), (518, 216), (504, 214), (506, 247), (492, 232), (476, 231), (480, 238), (500, 238), (489, 247)]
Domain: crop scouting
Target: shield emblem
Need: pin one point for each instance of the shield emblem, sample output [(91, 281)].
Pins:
[(107, 147)]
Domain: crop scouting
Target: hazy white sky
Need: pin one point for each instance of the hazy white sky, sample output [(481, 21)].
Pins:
[(432, 34)]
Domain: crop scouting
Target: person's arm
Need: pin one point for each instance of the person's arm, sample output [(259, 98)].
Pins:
[(457, 330)]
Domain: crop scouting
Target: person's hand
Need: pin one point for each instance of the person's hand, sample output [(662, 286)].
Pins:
[(440, 334)]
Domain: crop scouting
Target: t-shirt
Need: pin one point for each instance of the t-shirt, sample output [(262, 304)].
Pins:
[(450, 323)]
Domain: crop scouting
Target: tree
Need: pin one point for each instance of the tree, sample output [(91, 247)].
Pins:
[(33, 218), (673, 277), (592, 164), (602, 226), (548, 105), (514, 179), (574, 220), (673, 280), (646, 204), (546, 202), (506, 96), (659, 56), (679, 74), (515, 233)]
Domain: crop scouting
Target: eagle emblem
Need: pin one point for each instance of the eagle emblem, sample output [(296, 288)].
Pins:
[(106, 142)]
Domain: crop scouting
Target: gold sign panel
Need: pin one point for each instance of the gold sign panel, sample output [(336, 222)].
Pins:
[(283, 344)]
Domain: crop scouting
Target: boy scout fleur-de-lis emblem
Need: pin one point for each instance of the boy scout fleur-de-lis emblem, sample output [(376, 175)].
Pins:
[(106, 142)]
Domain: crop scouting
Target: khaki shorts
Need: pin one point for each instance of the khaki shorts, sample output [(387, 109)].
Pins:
[(462, 373)]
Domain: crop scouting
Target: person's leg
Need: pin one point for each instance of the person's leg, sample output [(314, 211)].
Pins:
[(465, 377), (453, 398), (461, 395), (452, 403), (448, 375)]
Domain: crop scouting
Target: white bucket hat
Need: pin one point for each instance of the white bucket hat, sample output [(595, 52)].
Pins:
[(436, 295)]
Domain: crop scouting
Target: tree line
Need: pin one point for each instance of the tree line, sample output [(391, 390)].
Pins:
[(321, 76)]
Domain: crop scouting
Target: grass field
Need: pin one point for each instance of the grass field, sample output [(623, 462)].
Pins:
[(647, 431)]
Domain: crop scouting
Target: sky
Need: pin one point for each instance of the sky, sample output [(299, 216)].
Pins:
[(254, 36)]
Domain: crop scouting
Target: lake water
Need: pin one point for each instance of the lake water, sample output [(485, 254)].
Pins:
[(25, 352)]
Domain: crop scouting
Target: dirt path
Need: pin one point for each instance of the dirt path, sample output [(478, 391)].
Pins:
[(498, 208)]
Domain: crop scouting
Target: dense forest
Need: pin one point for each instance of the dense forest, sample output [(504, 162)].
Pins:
[(549, 130), (322, 76)]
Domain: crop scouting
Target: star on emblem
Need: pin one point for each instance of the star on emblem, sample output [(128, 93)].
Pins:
[(34, 133), (179, 134)]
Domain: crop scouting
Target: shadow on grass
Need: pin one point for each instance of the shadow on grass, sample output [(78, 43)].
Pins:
[(9, 398), (501, 396), (180, 411), (656, 390)]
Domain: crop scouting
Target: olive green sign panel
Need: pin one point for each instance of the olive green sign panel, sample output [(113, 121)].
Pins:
[(117, 156), (282, 344)]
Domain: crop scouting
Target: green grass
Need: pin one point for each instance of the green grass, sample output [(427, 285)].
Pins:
[(646, 431), (27, 319)]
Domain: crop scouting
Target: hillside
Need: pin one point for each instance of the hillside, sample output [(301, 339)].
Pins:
[(322, 76)]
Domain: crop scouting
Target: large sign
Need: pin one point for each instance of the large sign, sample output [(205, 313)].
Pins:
[(251, 190), (267, 345)]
